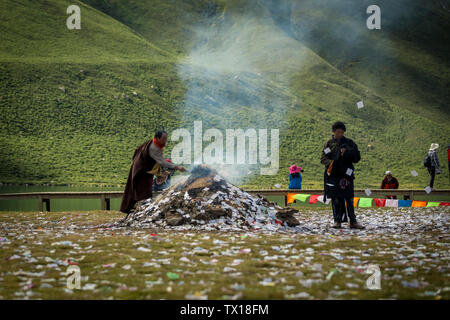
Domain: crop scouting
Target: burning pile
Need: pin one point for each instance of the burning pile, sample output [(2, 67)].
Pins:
[(206, 201)]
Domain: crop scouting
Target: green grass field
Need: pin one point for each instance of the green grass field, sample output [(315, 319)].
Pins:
[(163, 264), (76, 103), (69, 114)]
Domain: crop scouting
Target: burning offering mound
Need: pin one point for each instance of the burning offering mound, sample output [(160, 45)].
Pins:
[(206, 201)]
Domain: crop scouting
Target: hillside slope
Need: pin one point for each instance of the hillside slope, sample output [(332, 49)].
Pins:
[(406, 61)]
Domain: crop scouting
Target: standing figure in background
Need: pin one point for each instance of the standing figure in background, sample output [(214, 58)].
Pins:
[(448, 158), (389, 182), (295, 177), (432, 163)]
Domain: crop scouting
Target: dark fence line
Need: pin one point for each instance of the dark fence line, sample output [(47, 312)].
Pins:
[(105, 196)]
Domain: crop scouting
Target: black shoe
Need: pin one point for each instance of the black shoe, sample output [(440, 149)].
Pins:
[(336, 225)]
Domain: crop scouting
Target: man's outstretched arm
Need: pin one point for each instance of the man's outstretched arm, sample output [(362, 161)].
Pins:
[(156, 153)]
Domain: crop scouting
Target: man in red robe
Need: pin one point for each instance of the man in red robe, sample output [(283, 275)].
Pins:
[(147, 157), (448, 158)]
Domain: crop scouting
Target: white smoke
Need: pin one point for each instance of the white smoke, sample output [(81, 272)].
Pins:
[(238, 63)]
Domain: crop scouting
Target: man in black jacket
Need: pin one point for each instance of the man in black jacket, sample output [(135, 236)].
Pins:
[(338, 156)]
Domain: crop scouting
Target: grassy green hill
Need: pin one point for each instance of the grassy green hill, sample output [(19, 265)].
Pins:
[(76, 103)]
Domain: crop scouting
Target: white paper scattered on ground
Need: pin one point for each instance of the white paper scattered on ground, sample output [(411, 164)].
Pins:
[(360, 104), (407, 240)]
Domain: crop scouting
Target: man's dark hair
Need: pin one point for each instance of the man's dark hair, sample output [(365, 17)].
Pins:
[(338, 125), (159, 133)]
